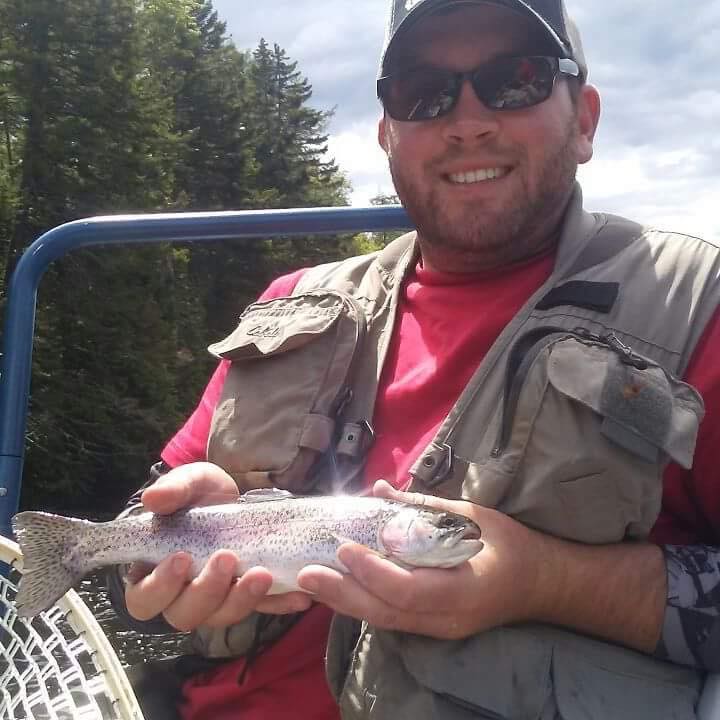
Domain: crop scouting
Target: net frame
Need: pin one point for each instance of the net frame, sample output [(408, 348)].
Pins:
[(58, 665)]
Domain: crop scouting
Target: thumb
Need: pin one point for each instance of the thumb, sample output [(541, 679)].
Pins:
[(190, 485), (383, 489)]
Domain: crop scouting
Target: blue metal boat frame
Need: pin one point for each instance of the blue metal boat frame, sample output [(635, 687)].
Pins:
[(15, 370)]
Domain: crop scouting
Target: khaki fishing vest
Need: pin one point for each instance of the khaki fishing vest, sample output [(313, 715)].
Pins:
[(566, 425)]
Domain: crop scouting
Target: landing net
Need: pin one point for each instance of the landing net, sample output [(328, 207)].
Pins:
[(58, 665)]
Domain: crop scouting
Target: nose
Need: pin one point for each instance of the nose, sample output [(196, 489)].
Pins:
[(470, 121)]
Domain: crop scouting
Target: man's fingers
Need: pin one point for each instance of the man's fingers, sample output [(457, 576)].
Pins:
[(345, 595), (383, 489), (151, 594), (190, 485), (421, 590), (137, 571), (205, 594), (285, 604), (248, 594), (241, 599)]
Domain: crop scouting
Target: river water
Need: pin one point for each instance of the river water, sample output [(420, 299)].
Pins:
[(131, 647)]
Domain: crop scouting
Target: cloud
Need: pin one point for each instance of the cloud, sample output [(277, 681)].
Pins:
[(357, 147), (661, 192), (657, 153)]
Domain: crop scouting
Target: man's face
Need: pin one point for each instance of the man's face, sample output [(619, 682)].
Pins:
[(469, 218)]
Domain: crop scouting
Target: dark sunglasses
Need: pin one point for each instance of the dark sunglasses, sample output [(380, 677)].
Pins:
[(506, 83)]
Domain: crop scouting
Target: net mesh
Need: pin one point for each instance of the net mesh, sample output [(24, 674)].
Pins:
[(57, 665)]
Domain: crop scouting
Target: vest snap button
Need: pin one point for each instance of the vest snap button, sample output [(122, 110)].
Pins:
[(428, 461)]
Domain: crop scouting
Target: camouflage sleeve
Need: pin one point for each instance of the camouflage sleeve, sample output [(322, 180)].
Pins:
[(691, 630)]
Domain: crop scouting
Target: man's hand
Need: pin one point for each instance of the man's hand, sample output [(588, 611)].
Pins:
[(492, 588), (616, 592), (215, 598)]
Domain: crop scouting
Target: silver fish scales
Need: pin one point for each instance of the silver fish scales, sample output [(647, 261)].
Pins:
[(268, 528)]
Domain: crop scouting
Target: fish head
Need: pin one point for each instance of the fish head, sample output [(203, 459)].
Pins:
[(425, 537)]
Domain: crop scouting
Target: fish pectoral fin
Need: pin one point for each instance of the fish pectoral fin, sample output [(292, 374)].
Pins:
[(400, 563), (265, 495), (338, 539), (393, 560)]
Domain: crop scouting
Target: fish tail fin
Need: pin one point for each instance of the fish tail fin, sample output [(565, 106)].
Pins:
[(48, 573)]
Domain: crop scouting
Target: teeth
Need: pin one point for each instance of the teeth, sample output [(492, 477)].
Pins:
[(478, 175)]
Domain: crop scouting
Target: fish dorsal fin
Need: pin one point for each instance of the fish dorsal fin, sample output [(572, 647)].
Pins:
[(265, 495)]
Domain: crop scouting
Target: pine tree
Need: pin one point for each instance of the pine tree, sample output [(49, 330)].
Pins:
[(98, 139), (369, 242), (218, 168), (111, 106), (10, 135), (215, 171), (280, 160), (290, 136)]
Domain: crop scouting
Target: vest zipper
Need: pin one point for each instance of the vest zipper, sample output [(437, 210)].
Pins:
[(626, 353), (524, 353), (521, 357), (342, 479)]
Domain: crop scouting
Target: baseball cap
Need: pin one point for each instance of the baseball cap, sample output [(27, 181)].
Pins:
[(550, 15)]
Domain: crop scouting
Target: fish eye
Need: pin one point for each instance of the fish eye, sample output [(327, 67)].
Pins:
[(446, 521)]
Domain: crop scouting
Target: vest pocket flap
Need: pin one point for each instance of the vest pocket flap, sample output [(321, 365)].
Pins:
[(276, 326), (288, 382), (643, 410)]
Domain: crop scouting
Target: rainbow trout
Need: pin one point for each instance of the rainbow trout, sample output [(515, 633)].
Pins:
[(269, 528)]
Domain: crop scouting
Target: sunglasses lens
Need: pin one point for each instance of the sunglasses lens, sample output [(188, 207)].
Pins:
[(515, 83), (510, 83), (419, 94)]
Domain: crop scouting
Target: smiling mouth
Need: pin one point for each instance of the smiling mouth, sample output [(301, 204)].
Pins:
[(477, 176)]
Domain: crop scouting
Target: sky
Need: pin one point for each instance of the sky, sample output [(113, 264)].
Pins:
[(656, 64)]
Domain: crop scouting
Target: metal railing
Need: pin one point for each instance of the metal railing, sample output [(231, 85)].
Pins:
[(15, 369)]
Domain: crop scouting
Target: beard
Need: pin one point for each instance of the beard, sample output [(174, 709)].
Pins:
[(470, 236)]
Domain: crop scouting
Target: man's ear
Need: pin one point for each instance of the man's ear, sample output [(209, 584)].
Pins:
[(588, 117), (382, 133)]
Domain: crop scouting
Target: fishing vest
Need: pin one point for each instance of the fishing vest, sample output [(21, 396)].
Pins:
[(566, 425)]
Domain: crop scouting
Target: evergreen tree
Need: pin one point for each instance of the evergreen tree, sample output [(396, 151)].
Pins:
[(283, 164), (216, 171), (10, 136), (369, 242), (290, 136), (97, 141), (113, 106)]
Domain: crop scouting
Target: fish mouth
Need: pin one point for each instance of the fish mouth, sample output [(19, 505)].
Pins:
[(464, 538), (470, 532), (463, 544)]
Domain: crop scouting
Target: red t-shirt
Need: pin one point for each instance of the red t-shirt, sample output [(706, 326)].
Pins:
[(445, 326)]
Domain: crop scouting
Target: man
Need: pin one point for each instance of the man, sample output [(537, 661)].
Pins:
[(524, 355)]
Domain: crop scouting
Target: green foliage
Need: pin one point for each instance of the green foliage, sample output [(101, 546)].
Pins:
[(289, 135), (369, 242), (114, 106), (10, 139)]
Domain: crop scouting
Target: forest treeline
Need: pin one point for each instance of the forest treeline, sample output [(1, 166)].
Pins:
[(115, 106)]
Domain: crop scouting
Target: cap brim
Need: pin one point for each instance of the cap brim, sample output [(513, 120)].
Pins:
[(423, 9)]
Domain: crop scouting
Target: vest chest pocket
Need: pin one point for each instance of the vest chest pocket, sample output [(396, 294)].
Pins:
[(287, 385), (587, 427)]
